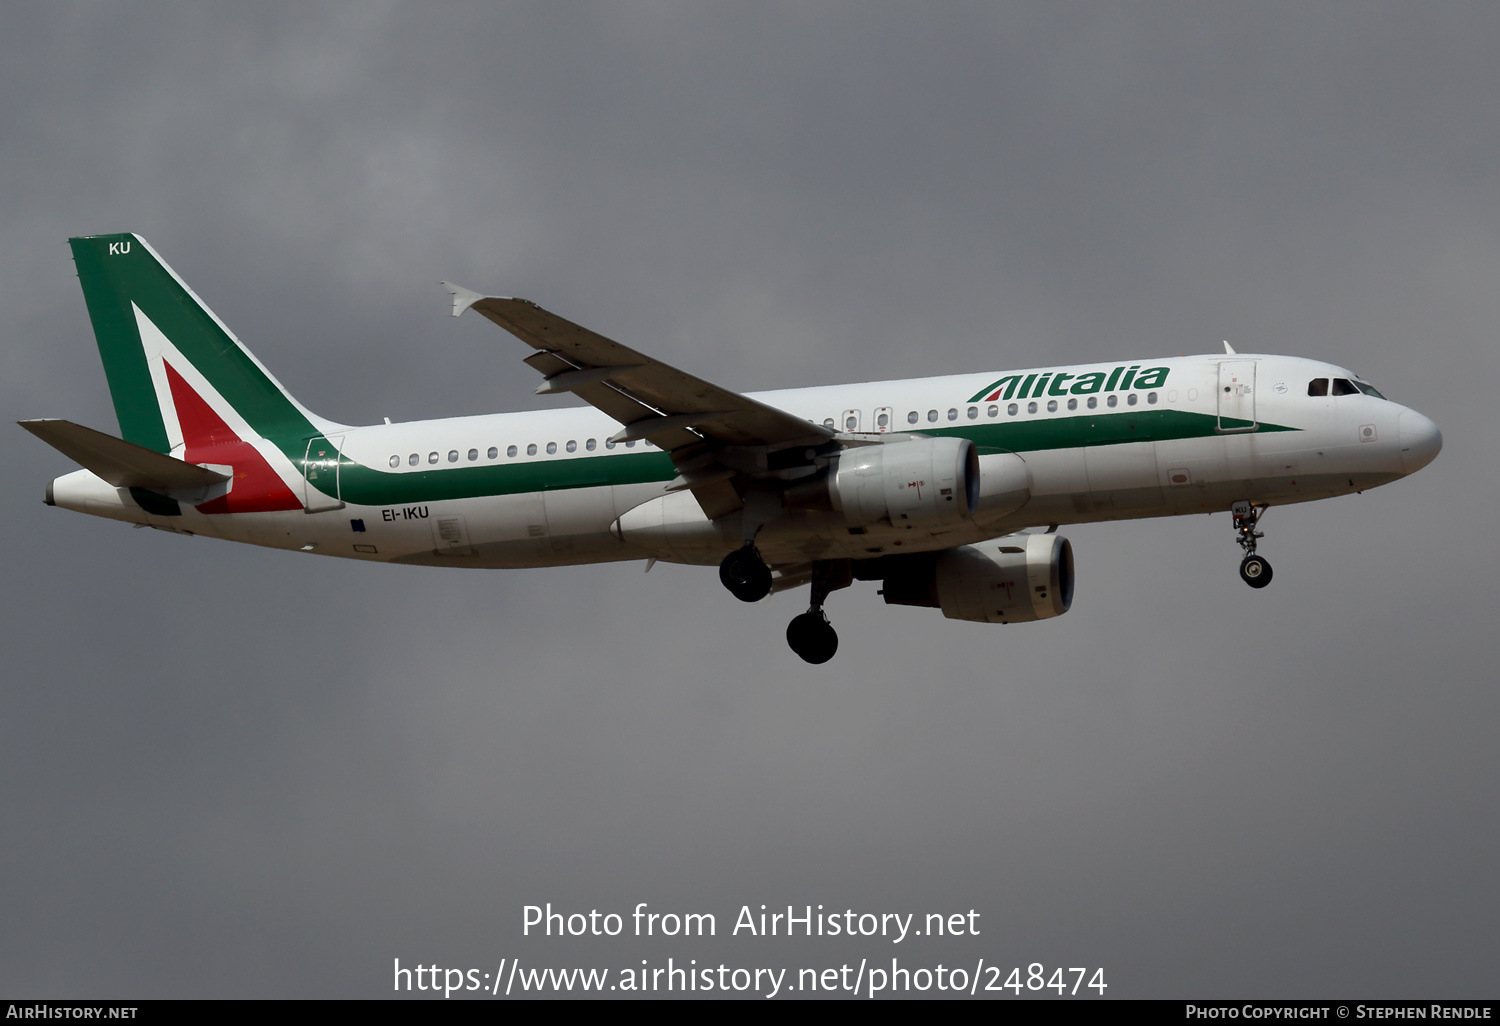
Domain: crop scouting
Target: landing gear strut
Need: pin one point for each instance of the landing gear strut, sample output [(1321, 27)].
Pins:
[(810, 635), (745, 574), (1254, 570)]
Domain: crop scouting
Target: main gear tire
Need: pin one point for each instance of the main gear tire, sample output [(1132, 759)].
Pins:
[(746, 575), (812, 637)]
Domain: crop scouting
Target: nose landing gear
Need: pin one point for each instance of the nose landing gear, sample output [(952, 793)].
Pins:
[(810, 634), (1254, 570)]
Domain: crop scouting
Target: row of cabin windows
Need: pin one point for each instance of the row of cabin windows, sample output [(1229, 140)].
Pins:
[(851, 423), (512, 451)]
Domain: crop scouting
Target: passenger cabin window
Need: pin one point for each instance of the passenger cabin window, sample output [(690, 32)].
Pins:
[(531, 449), (551, 448), (1012, 410), (932, 416), (414, 459), (572, 445), (395, 461), (994, 411), (911, 418), (591, 445), (510, 450), (1317, 386), (495, 453), (973, 413), (473, 455)]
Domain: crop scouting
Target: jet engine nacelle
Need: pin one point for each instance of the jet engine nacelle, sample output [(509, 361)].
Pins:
[(1006, 580), (919, 483)]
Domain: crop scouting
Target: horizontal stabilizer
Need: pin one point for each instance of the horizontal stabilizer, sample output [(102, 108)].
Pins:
[(121, 463)]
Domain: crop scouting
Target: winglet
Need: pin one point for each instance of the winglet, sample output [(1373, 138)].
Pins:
[(462, 298), (1227, 347)]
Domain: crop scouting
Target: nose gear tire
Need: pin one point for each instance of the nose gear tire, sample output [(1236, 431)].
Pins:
[(1255, 571)]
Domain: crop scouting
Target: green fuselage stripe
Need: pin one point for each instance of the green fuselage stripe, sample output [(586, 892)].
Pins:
[(370, 486)]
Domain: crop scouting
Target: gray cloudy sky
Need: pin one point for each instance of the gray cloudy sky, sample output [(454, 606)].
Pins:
[(228, 771)]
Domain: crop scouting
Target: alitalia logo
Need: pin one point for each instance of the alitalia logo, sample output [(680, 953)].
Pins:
[(1029, 386)]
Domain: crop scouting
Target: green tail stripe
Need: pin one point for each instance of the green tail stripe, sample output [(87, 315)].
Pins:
[(118, 270)]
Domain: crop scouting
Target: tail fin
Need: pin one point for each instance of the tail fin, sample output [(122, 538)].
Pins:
[(167, 356)]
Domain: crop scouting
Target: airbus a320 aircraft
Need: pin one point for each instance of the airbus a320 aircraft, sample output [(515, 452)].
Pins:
[(933, 486)]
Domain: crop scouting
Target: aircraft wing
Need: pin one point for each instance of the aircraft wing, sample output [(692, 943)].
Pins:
[(667, 399), (672, 409)]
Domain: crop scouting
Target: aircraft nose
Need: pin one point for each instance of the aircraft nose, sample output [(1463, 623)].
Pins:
[(1420, 441)]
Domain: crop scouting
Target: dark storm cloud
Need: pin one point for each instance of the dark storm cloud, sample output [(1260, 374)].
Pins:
[(232, 771)]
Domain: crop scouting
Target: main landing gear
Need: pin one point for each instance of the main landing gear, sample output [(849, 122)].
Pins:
[(1254, 570), (745, 574), (743, 571), (810, 635)]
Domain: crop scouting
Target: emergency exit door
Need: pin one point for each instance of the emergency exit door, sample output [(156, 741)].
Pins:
[(1236, 396), (320, 470)]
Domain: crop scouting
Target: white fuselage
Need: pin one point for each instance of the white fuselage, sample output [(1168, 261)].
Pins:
[(1216, 430)]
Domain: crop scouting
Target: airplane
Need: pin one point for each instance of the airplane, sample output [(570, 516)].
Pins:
[(949, 491)]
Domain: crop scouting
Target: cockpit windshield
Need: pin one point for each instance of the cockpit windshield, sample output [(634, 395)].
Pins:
[(1341, 386)]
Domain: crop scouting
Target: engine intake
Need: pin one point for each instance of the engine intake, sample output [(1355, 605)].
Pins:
[(1006, 580), (918, 483)]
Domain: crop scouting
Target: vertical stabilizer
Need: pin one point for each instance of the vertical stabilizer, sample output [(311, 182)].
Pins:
[(157, 339)]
